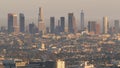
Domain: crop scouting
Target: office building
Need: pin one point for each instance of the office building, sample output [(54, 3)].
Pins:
[(72, 28), (12, 22), (62, 20), (116, 26), (105, 25), (52, 24), (16, 29), (82, 20), (41, 24), (92, 27), (97, 29), (58, 28), (32, 28), (22, 22)]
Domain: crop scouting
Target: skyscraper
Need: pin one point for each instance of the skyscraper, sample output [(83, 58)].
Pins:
[(82, 20), (22, 22), (105, 25), (116, 25), (62, 19), (71, 23), (52, 24), (58, 28), (12, 22), (92, 27), (97, 29), (41, 24), (32, 28)]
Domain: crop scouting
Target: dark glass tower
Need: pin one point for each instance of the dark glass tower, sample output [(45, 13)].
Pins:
[(52, 24), (32, 28), (71, 23), (116, 25), (12, 22), (92, 26), (62, 19), (22, 22)]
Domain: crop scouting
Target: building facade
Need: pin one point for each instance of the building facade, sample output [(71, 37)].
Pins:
[(12, 22), (52, 24), (62, 19), (72, 28), (82, 20), (116, 26), (92, 27), (41, 24), (105, 25), (22, 22)]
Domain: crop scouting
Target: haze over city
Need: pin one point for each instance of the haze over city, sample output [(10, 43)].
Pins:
[(93, 9), (59, 34)]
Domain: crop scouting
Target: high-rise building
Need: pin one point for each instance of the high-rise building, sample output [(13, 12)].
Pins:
[(12, 22), (116, 25), (72, 28), (105, 25), (62, 19), (82, 20), (32, 28), (41, 24), (58, 28), (52, 24), (16, 29), (22, 22), (92, 27), (97, 29)]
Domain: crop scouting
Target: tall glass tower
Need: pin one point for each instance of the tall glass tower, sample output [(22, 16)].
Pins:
[(41, 24), (62, 19), (82, 20), (105, 25), (72, 28), (12, 22), (22, 22), (52, 24)]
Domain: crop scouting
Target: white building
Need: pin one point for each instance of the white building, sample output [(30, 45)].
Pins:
[(105, 25)]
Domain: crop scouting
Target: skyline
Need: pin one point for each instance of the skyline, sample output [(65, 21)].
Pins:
[(59, 34), (94, 10)]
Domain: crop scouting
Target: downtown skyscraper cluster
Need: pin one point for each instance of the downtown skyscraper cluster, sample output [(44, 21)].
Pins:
[(92, 28), (13, 25)]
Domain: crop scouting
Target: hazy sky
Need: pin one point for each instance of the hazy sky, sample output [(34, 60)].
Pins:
[(93, 9)]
